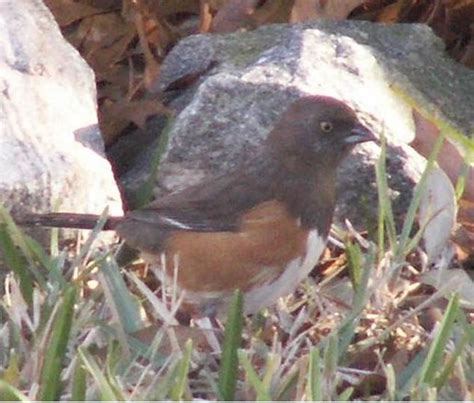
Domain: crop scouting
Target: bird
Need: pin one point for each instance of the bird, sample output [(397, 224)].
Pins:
[(260, 228)]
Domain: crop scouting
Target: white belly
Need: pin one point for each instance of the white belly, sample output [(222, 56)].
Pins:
[(265, 295), (296, 271)]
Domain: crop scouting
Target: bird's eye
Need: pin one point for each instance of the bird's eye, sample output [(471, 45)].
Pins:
[(326, 126)]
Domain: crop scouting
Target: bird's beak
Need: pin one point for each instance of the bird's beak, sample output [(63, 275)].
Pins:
[(360, 134)]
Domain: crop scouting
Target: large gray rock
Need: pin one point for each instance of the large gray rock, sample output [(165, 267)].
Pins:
[(51, 150), (246, 79)]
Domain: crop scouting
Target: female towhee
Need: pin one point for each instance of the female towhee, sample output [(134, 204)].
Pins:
[(261, 228)]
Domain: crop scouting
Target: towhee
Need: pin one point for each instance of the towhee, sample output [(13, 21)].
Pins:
[(261, 228)]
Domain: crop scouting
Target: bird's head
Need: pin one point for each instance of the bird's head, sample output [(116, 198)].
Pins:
[(317, 130)]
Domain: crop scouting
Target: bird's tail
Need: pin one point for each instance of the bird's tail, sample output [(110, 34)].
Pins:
[(67, 220)]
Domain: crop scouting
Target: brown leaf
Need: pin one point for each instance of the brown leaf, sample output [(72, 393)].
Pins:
[(104, 57), (156, 30), (305, 10), (310, 10), (449, 158), (234, 15), (392, 13), (168, 8), (451, 161), (464, 241), (460, 15), (205, 16), (105, 38), (152, 67), (67, 12), (115, 117), (464, 235), (272, 12)]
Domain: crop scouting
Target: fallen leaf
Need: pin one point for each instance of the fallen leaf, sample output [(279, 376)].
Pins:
[(205, 16), (305, 10), (272, 12), (67, 12), (169, 8), (449, 158), (310, 10), (392, 13), (115, 117), (234, 15), (339, 9), (437, 212)]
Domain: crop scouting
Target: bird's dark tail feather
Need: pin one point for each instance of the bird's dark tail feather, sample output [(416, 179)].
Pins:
[(67, 220)]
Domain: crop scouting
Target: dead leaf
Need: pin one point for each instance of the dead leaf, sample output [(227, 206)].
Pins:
[(103, 39), (392, 13), (449, 157), (464, 234), (234, 15), (205, 16), (305, 10), (67, 12), (159, 33), (169, 8), (437, 212), (272, 12), (115, 117), (310, 10), (152, 67), (339, 9)]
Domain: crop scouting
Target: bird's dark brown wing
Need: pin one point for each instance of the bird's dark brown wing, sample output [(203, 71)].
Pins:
[(215, 205)]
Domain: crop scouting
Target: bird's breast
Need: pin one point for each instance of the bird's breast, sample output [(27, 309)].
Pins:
[(269, 254)]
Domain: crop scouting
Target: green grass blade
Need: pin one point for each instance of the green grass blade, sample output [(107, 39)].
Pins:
[(106, 390), (354, 258), (16, 263), (391, 381), (386, 221), (120, 298), (253, 378), (331, 359), (448, 368), (407, 378), (434, 359), (347, 328), (10, 393), (420, 188), (79, 383), (87, 246), (181, 380), (228, 371), (314, 389), (287, 386), (346, 394), (50, 386), (461, 181), (20, 241)]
